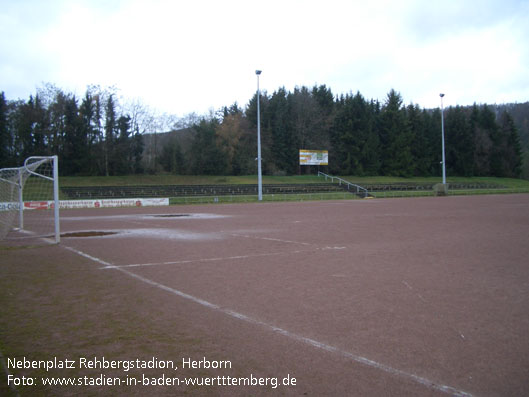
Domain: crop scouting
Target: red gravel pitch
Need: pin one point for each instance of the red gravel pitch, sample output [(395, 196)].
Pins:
[(415, 296)]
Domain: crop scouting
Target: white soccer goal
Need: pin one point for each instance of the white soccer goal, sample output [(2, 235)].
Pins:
[(29, 199)]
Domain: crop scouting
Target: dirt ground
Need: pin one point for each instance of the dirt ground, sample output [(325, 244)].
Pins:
[(397, 297)]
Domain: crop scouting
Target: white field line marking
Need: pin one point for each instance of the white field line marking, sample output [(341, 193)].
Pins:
[(226, 258), (303, 339), (32, 234), (308, 341), (182, 262), (92, 258), (426, 302), (269, 239), (411, 289), (284, 241)]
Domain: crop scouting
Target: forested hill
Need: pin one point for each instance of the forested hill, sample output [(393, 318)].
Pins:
[(520, 114), (96, 135), (363, 137), (169, 148)]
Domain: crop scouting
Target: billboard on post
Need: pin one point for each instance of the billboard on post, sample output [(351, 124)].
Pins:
[(313, 157)]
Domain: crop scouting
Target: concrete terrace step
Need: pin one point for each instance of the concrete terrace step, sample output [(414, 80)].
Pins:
[(400, 186), (153, 191), (102, 192)]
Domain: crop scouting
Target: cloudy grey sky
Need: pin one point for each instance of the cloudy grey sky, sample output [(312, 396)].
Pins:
[(194, 55)]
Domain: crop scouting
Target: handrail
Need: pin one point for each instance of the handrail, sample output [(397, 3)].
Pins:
[(349, 184)]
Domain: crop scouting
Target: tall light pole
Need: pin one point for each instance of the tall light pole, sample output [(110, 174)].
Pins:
[(443, 137), (259, 173)]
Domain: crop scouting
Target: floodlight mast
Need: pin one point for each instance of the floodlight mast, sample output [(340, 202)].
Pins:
[(443, 138), (259, 172)]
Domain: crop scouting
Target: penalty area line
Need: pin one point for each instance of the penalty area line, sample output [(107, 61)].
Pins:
[(85, 255), (224, 258), (269, 239), (291, 335), (187, 261)]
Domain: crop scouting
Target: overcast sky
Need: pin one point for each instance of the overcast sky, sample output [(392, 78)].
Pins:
[(191, 56)]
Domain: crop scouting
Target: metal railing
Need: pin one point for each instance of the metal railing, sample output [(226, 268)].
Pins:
[(360, 191)]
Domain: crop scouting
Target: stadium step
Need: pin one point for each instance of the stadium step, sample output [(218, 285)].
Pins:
[(106, 192)]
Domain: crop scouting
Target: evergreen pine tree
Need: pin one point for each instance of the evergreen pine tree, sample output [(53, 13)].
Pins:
[(5, 136), (459, 143), (110, 127), (483, 123), (419, 144), (283, 151), (396, 138), (87, 116), (206, 157), (510, 150), (123, 163)]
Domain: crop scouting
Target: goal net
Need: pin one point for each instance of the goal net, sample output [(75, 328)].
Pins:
[(29, 199)]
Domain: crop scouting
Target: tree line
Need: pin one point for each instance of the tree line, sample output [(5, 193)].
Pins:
[(363, 137), (96, 135), (90, 135)]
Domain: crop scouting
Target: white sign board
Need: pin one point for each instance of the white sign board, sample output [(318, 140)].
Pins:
[(46, 205), (313, 157)]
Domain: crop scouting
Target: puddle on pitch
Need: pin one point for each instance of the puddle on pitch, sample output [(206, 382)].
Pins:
[(90, 233), (190, 216), (171, 216), (158, 234)]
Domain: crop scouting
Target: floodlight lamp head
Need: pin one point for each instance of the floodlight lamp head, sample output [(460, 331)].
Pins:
[(441, 95), (258, 72)]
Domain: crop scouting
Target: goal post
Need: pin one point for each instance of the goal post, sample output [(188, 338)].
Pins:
[(32, 191), (10, 198)]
